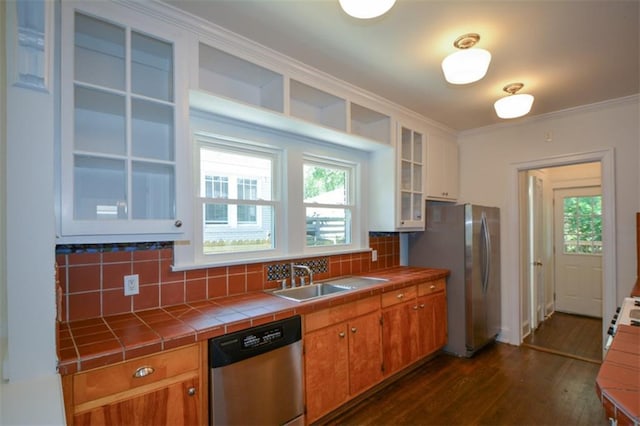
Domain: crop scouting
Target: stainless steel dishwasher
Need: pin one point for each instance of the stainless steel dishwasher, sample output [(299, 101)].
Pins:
[(256, 376)]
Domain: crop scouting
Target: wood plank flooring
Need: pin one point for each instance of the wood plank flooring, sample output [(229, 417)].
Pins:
[(501, 385), (571, 335)]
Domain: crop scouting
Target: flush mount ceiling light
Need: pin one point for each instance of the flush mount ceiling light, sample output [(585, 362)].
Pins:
[(514, 105), (366, 9), (467, 65)]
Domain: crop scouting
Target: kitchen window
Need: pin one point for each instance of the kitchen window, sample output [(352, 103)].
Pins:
[(327, 202), (582, 225), (236, 198), (263, 195)]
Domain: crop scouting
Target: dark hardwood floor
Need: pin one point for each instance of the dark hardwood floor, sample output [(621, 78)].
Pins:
[(500, 385), (571, 335)]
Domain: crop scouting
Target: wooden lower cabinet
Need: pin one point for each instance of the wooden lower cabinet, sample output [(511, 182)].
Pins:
[(400, 336), (342, 355), (168, 388), (170, 405)]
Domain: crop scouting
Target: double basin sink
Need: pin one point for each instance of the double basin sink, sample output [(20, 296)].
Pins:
[(326, 288)]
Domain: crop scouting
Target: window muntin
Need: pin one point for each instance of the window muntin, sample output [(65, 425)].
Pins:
[(216, 187), (237, 187), (582, 225), (327, 202)]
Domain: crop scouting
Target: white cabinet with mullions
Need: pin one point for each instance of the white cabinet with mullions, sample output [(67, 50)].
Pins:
[(119, 150)]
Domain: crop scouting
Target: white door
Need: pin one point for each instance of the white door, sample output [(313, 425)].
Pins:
[(578, 250), (536, 233)]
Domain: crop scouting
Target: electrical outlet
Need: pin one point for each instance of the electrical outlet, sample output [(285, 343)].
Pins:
[(374, 255), (131, 286)]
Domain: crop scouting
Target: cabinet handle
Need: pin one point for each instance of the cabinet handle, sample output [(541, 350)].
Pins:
[(415, 308), (433, 287), (143, 371), (400, 296), (341, 334), (422, 306), (353, 329), (178, 223), (191, 391)]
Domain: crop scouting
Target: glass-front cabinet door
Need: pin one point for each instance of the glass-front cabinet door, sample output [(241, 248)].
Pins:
[(411, 149), (119, 147)]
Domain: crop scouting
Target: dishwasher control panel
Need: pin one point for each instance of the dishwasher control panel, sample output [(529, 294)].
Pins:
[(234, 347), (253, 340)]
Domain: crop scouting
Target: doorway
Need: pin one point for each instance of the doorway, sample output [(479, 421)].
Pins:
[(538, 303)]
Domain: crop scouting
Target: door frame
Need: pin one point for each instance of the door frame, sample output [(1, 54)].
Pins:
[(513, 237)]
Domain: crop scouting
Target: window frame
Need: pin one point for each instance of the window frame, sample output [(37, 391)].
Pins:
[(349, 205), (202, 141)]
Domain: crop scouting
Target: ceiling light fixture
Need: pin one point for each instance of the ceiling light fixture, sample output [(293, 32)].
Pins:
[(366, 9), (467, 65), (513, 106)]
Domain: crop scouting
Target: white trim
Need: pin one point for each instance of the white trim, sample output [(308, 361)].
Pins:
[(606, 158)]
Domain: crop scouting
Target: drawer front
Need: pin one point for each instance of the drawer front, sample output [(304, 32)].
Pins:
[(398, 296), (431, 287), (127, 375), (330, 316)]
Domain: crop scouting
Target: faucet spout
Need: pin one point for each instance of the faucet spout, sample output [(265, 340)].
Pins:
[(303, 267)]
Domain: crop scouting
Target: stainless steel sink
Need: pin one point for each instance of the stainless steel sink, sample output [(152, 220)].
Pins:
[(356, 282), (326, 288), (308, 292)]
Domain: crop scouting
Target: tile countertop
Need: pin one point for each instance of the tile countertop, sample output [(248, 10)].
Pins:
[(97, 342), (618, 381)]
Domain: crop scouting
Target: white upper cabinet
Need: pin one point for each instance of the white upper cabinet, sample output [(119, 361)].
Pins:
[(442, 169), (123, 126), (397, 183)]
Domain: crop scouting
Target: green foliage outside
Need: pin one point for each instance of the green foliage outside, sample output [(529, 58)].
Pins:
[(583, 225), (320, 180)]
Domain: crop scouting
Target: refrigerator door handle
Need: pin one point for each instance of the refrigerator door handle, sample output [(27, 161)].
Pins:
[(486, 236)]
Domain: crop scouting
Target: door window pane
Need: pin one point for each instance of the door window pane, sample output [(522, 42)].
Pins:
[(582, 225)]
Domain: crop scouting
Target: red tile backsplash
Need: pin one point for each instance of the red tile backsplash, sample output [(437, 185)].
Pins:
[(92, 282)]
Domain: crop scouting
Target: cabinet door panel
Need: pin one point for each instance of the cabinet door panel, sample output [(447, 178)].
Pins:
[(171, 405), (365, 355), (440, 319), (326, 361), (399, 336)]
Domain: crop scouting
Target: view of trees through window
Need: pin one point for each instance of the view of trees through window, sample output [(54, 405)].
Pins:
[(583, 225), (326, 199)]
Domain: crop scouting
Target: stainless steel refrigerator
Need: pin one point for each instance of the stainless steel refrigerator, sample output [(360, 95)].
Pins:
[(465, 239)]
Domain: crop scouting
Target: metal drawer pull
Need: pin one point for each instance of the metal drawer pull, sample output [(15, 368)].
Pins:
[(400, 296), (422, 306), (341, 334), (433, 287), (353, 329), (191, 391), (415, 308), (143, 371)]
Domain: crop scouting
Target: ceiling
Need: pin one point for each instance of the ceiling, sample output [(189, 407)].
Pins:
[(567, 53)]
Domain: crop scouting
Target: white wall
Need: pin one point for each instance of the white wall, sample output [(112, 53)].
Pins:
[(3, 203), (30, 390), (487, 155)]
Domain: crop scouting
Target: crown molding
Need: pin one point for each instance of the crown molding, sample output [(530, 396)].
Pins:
[(625, 100)]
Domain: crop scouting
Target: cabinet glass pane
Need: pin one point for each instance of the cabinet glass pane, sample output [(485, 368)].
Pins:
[(99, 52), (406, 144), (152, 130), (417, 178), (153, 191), (417, 207), (406, 172), (405, 206), (417, 148), (100, 188), (99, 121), (151, 67)]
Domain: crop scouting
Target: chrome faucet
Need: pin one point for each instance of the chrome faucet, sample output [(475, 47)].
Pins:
[(293, 274)]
